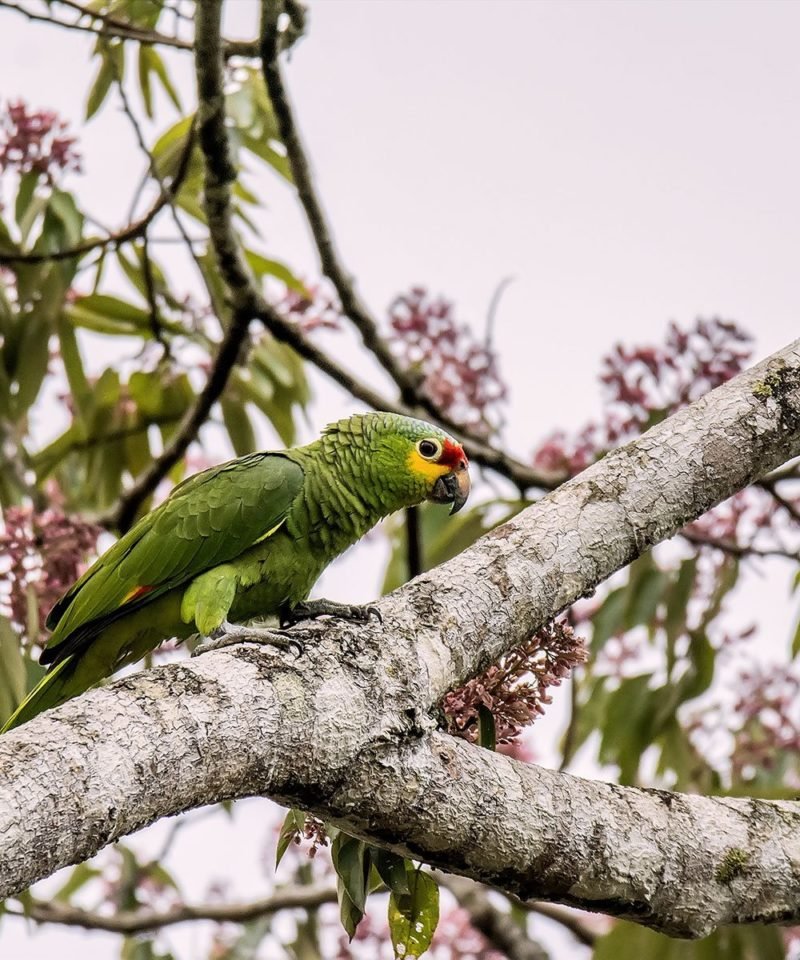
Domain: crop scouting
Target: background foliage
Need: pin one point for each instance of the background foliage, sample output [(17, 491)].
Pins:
[(665, 688)]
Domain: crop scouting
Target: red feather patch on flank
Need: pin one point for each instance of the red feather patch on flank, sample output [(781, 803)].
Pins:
[(453, 455), (136, 593)]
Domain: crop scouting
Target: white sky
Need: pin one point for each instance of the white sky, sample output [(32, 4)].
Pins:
[(627, 162)]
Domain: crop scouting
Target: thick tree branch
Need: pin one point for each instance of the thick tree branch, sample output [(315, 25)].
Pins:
[(352, 737)]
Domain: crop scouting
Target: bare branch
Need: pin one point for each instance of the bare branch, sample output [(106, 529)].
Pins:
[(138, 921), (736, 549), (498, 926), (568, 919), (105, 25)]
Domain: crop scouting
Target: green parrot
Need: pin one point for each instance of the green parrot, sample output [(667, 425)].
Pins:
[(245, 539)]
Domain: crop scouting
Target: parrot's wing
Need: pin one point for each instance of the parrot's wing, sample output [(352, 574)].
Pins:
[(208, 519)]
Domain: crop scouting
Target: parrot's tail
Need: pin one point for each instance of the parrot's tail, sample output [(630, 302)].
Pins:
[(51, 690)]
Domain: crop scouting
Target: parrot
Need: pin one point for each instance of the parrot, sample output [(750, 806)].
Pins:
[(243, 540)]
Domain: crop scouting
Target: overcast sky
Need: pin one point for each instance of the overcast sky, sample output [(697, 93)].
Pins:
[(628, 163)]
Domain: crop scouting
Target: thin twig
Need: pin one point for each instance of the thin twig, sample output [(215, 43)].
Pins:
[(789, 506), (735, 549), (412, 398), (330, 259), (117, 239), (104, 25), (494, 303)]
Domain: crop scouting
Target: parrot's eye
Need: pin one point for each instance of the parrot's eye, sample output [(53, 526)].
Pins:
[(430, 449)]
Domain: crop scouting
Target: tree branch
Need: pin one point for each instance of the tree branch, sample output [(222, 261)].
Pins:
[(131, 232), (105, 25), (412, 398), (351, 738), (139, 921), (567, 918), (330, 260), (499, 927), (735, 549)]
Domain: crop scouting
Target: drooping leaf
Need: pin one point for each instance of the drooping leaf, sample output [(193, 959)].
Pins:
[(413, 917), (12, 671), (352, 862), (293, 825)]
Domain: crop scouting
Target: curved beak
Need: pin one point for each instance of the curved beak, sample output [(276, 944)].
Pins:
[(452, 488)]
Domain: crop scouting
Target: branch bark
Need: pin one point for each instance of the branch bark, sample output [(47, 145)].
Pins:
[(347, 731)]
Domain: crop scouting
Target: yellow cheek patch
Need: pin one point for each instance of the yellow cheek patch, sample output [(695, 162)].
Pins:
[(426, 468)]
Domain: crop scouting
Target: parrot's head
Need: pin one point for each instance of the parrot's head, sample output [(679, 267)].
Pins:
[(411, 460)]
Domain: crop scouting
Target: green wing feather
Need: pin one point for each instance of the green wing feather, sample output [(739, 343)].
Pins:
[(208, 519)]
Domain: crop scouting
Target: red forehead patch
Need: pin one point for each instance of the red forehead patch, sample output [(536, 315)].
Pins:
[(452, 454)]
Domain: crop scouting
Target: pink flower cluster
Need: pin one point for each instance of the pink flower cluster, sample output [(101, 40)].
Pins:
[(41, 556), (320, 309), (766, 730), (515, 690), (646, 383), (458, 374), (36, 140)]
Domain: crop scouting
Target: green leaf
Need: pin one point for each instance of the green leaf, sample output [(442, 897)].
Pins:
[(264, 267), (150, 62), (160, 71), (677, 606), (27, 186), (12, 671), (726, 579), (487, 731), (609, 618), (392, 869), (169, 147), (293, 825), (78, 878), (626, 727), (99, 89), (107, 314), (644, 595), (796, 640), (145, 68), (63, 205), (702, 657), (413, 917), (237, 423), (73, 365), (351, 861)]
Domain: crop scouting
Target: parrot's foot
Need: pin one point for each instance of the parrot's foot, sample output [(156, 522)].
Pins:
[(312, 609), (233, 634)]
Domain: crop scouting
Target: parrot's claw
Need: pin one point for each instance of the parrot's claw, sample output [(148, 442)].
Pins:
[(233, 634), (312, 609)]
